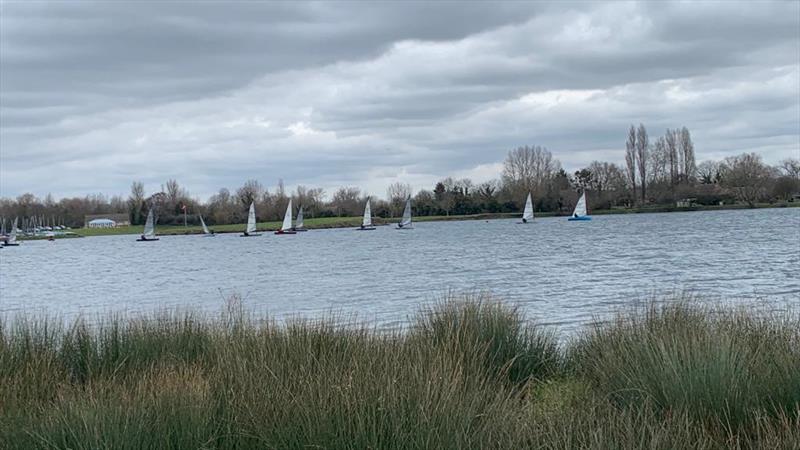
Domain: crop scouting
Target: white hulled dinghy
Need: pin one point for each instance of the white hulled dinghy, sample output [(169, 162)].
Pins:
[(206, 231), (405, 223), (11, 240), (286, 227), (149, 233), (580, 212), (298, 224), (250, 231), (366, 222), (527, 214)]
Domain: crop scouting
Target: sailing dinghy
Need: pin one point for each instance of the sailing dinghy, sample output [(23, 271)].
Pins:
[(298, 225), (527, 214), (286, 227), (206, 231), (405, 223), (250, 231), (580, 212), (149, 229), (11, 240), (366, 222)]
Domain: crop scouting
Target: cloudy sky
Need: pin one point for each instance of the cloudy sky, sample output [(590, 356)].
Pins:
[(94, 95)]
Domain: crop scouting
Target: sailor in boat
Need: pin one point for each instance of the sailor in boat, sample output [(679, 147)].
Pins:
[(575, 215), (143, 238), (524, 220)]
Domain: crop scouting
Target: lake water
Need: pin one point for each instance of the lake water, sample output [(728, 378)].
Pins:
[(563, 273)]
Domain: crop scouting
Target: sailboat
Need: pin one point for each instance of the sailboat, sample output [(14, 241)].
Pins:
[(527, 214), (286, 227), (250, 231), (405, 222), (206, 231), (11, 240), (580, 212), (366, 222), (149, 229), (298, 225)]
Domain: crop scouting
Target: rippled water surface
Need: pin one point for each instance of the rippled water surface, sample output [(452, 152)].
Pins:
[(561, 272)]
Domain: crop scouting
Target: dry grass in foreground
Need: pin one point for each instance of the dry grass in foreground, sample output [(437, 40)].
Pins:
[(469, 373)]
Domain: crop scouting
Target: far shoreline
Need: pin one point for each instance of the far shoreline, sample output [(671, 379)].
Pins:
[(354, 222)]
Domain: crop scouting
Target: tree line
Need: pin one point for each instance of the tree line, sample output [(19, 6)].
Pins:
[(657, 173)]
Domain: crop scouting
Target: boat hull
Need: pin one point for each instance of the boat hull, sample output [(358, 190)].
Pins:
[(11, 245), (579, 219), (286, 232), (250, 235), (403, 228), (146, 240)]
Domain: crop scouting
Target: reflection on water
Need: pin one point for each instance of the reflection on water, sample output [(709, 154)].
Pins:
[(561, 272)]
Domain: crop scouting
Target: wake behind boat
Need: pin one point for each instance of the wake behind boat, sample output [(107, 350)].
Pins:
[(298, 226), (527, 214), (366, 222), (405, 223), (286, 227), (250, 231), (580, 212), (149, 233)]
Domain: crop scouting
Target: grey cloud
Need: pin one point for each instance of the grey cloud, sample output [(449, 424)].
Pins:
[(366, 93)]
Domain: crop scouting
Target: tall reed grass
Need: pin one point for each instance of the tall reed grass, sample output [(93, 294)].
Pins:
[(469, 372)]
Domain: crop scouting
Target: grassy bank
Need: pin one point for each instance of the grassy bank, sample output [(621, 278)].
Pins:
[(352, 222), (468, 373)]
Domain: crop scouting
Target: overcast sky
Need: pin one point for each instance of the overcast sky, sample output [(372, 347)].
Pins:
[(94, 95)]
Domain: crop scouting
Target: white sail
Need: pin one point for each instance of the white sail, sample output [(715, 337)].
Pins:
[(287, 218), (251, 219), (527, 215), (406, 222), (367, 221), (299, 223), (580, 208), (12, 238), (205, 228), (149, 226)]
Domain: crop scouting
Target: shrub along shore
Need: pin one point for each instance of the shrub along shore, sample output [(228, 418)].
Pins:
[(469, 372)]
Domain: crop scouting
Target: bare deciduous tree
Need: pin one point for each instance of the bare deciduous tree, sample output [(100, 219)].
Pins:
[(642, 150), (791, 167), (630, 159), (746, 176), (346, 201), (658, 161), (250, 192), (708, 172), (136, 202), (670, 138), (528, 169), (687, 151), (397, 193)]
